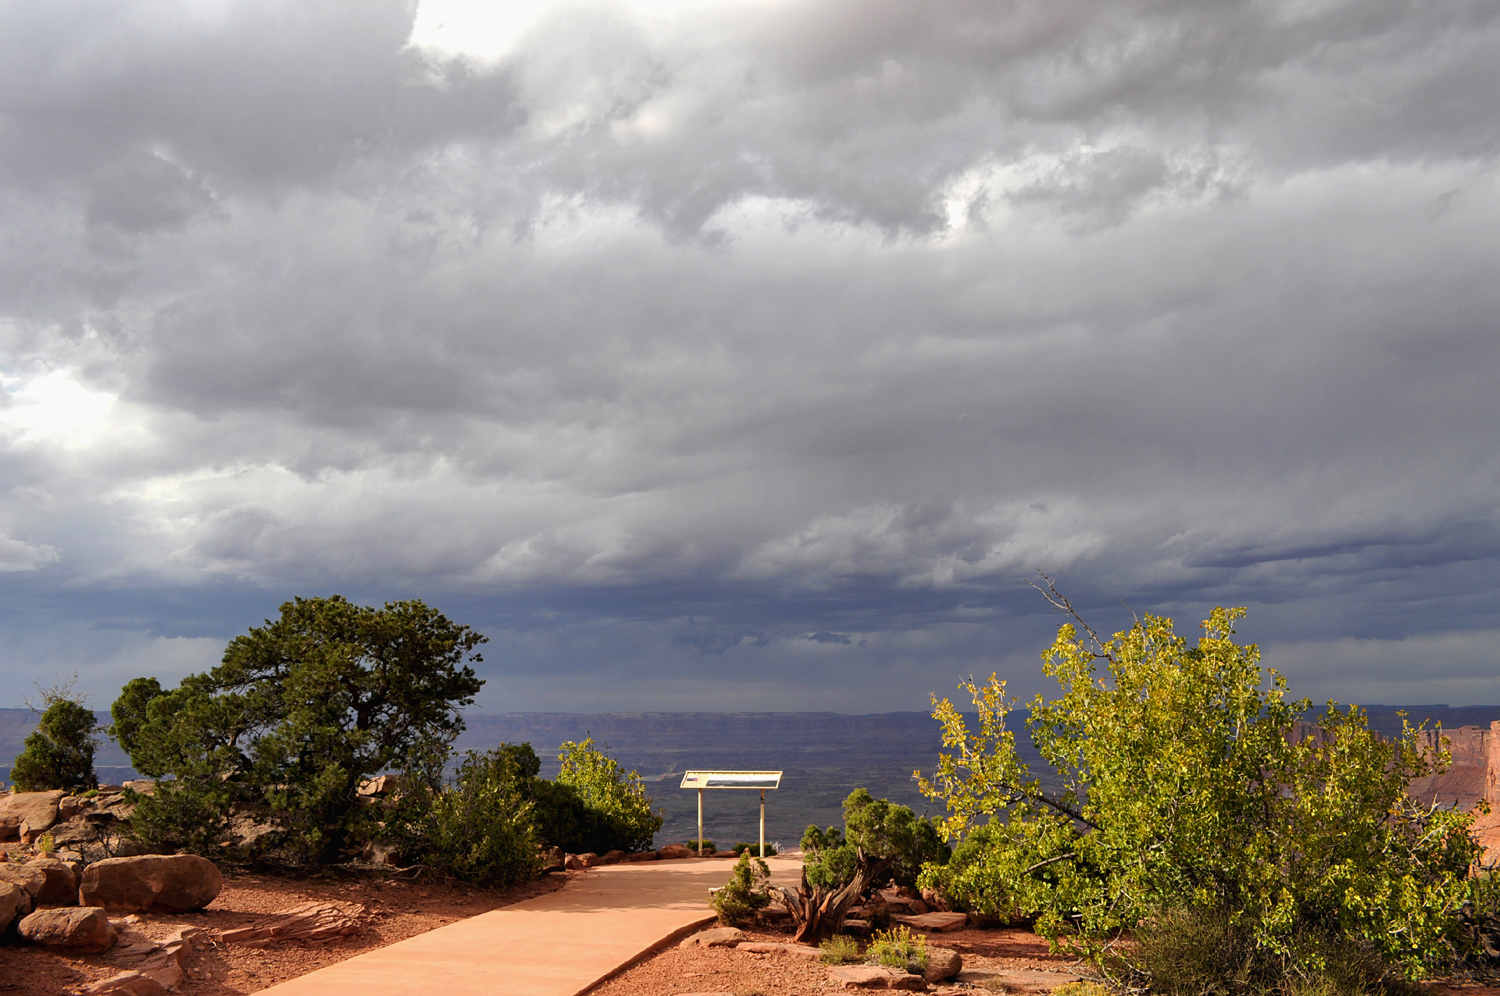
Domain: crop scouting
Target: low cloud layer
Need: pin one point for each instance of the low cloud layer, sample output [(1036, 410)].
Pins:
[(751, 355)]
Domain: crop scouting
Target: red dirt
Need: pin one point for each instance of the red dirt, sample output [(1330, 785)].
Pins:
[(397, 909), (680, 971)]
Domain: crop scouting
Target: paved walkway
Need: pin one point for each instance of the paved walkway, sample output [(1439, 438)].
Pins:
[(554, 945)]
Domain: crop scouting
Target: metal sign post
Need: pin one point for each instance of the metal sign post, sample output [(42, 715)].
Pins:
[(762, 780)]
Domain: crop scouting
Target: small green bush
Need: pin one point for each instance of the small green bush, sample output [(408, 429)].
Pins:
[(752, 847), (59, 753), (692, 845), (478, 827), (606, 787), (898, 948), (840, 950), (740, 901)]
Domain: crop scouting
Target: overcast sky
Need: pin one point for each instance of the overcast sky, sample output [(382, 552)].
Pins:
[(750, 355)]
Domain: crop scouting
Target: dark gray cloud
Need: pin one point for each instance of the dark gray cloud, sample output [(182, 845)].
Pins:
[(754, 354)]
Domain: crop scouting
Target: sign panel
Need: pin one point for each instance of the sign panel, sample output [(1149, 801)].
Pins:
[(731, 780)]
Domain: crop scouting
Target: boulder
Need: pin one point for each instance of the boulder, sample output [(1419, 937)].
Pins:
[(855, 925), (27, 876), (589, 859), (166, 883), (305, 922), (551, 858), (144, 786), (715, 937), (78, 830), (611, 857), (942, 963), (673, 851), (573, 862), (937, 923), (379, 785), (641, 856), (15, 902), (935, 901), (82, 929), (876, 977), (61, 885), (38, 810)]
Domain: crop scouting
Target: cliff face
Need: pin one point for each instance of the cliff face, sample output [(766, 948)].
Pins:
[(1472, 774), (1473, 778)]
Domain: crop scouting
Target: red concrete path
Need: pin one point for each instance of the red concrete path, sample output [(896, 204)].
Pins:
[(554, 945)]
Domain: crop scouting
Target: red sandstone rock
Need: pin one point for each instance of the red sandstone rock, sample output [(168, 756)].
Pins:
[(305, 922), (126, 984), (85, 929), (942, 963), (27, 876), (167, 883), (935, 901), (715, 937), (15, 902), (641, 856), (612, 857), (38, 810), (938, 923), (672, 851), (61, 885), (873, 977)]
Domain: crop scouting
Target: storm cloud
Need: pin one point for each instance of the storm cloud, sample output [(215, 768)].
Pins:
[(752, 355)]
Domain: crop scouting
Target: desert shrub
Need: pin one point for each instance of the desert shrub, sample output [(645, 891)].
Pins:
[(564, 820), (59, 753), (1187, 789), (477, 827), (741, 900), (692, 845), (296, 715), (838, 867), (1082, 987), (898, 948), (1199, 952), (840, 950), (607, 788), (752, 847)]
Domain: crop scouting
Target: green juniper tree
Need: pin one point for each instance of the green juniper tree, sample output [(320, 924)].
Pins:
[(297, 714), (59, 753)]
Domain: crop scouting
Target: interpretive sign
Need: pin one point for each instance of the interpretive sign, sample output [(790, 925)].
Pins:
[(762, 780), (731, 780)]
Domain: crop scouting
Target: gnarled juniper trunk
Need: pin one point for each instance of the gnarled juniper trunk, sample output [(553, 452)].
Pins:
[(819, 911)]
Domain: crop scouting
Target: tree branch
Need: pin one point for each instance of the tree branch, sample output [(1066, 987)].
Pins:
[(1060, 602), (1050, 861)]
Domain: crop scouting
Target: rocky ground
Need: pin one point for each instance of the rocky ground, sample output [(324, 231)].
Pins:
[(1014, 961), (392, 907), (1000, 960)]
